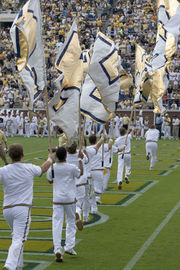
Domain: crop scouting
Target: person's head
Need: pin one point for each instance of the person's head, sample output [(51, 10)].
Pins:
[(72, 149), (16, 152), (152, 127), (61, 153), (92, 139), (122, 131)]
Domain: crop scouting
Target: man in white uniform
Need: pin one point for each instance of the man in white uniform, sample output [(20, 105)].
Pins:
[(17, 179), (95, 175), (124, 157), (27, 125), (33, 126), (64, 201), (152, 136)]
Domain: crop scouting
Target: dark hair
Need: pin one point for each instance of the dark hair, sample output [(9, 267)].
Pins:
[(61, 153), (72, 149), (92, 139), (16, 152), (122, 131), (152, 127)]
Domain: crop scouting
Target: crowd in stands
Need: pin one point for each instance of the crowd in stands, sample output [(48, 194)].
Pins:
[(126, 22)]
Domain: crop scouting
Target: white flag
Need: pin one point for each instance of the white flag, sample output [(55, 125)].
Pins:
[(103, 70), (91, 103), (26, 34)]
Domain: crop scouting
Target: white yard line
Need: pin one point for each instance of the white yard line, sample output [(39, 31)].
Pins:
[(153, 236), (32, 153)]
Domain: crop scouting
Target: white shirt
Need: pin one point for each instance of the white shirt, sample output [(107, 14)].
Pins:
[(73, 159), (64, 187), (120, 142), (108, 164), (152, 135), (91, 153), (17, 179)]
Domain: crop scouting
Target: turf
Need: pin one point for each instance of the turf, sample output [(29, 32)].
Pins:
[(134, 215)]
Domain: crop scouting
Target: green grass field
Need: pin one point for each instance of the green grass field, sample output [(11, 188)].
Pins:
[(136, 228)]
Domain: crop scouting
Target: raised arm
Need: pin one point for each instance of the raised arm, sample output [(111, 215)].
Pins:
[(45, 166)]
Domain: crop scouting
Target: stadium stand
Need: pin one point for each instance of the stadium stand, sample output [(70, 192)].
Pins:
[(127, 22)]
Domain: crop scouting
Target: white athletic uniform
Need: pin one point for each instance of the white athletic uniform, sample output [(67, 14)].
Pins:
[(8, 125), (146, 124), (93, 176), (64, 198), (14, 126), (152, 136), (108, 160), (33, 126), (20, 125), (80, 182), (123, 161), (141, 126), (27, 126), (17, 179)]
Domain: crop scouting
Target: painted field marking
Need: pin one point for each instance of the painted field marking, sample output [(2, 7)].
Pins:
[(153, 236), (32, 153), (136, 194), (42, 264)]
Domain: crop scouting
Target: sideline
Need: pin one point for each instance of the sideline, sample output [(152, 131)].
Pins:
[(145, 246)]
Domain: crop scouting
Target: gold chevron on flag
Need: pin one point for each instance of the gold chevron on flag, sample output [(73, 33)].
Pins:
[(69, 61)]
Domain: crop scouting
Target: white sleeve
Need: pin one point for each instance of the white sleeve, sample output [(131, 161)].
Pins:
[(76, 172), (49, 174), (114, 149), (36, 170)]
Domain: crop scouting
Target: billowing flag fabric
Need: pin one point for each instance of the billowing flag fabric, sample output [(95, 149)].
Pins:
[(103, 70), (63, 111), (64, 106), (166, 46), (159, 85), (69, 61), (26, 35), (91, 102), (173, 25), (167, 35), (27, 77), (143, 80)]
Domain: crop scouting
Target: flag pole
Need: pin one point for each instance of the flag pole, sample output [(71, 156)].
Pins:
[(103, 147), (80, 135), (111, 137), (48, 126)]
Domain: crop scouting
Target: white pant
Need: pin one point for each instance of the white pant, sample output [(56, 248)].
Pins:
[(98, 180), (151, 147), (167, 132), (123, 162), (18, 219), (80, 194), (33, 129), (106, 178), (27, 130), (57, 225), (86, 202)]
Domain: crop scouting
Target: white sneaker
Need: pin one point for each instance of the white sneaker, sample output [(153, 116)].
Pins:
[(71, 252), (98, 200)]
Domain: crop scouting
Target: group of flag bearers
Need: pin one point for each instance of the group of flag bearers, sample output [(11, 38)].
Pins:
[(89, 84)]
